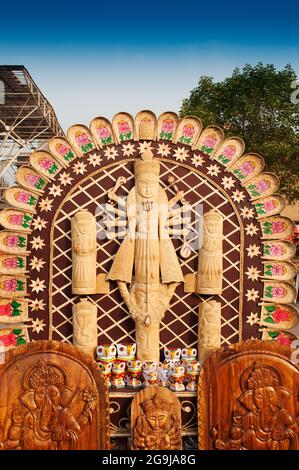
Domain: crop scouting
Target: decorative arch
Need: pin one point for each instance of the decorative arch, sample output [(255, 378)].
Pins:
[(78, 171)]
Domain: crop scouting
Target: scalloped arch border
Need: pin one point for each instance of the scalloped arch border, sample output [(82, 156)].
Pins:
[(168, 127)]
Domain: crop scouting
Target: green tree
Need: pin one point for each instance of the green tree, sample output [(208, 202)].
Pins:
[(255, 104)]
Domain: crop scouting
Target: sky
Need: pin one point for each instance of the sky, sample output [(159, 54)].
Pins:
[(96, 58)]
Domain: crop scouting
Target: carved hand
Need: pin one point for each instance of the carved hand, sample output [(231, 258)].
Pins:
[(60, 434), (17, 417)]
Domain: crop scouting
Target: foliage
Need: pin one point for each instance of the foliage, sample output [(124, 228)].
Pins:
[(255, 104)]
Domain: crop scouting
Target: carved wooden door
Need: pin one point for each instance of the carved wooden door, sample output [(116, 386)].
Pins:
[(52, 397), (248, 398)]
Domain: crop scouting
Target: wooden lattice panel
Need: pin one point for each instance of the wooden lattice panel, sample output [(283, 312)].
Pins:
[(179, 327), (84, 184)]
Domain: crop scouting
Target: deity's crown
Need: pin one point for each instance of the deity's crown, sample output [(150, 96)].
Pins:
[(156, 403), (212, 215), (83, 215), (262, 376), (45, 374), (147, 164)]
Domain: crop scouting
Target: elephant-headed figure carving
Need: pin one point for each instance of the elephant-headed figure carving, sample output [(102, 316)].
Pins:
[(156, 420), (262, 423), (43, 420)]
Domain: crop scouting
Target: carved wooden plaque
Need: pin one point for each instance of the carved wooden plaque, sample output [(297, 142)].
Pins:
[(52, 397), (156, 420), (248, 398)]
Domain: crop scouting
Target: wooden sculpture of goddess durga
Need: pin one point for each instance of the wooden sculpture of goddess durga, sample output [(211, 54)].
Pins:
[(146, 267)]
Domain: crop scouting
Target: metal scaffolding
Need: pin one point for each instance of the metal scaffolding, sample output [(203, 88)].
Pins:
[(27, 121)]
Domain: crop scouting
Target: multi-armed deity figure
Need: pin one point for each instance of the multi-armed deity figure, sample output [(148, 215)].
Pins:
[(146, 267)]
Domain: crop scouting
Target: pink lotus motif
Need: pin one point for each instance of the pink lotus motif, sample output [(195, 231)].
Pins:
[(16, 219), (262, 186), (229, 151), (9, 340), (167, 125), (278, 270), (46, 163), (188, 130), (12, 241), (103, 132), (276, 250), (10, 285), (81, 138), (247, 168), (6, 310), (278, 227), (270, 205), (284, 340), (21, 196), (280, 315), (62, 149), (210, 140), (278, 292), (11, 263), (32, 179), (123, 127)]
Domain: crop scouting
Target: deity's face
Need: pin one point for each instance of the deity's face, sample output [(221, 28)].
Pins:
[(83, 320), (147, 185), (213, 227), (157, 419), (265, 398), (47, 393), (83, 227)]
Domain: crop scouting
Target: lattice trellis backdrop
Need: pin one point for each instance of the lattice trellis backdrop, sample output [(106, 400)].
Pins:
[(84, 184), (179, 327)]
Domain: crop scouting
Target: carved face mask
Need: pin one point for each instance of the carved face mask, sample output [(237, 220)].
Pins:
[(157, 419), (147, 185)]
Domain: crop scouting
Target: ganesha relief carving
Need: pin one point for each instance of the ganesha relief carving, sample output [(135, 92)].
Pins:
[(49, 415), (260, 420)]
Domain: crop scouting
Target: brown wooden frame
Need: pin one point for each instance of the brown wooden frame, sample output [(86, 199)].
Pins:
[(208, 385), (41, 348)]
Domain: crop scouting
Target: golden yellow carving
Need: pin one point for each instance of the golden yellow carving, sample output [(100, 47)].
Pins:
[(210, 267), (84, 253), (85, 326), (209, 329), (148, 251)]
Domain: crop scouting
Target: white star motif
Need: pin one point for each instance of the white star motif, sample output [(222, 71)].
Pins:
[(252, 295), (252, 319), (80, 168), (253, 250), (38, 325), (247, 213), (181, 154), (145, 147), (110, 153), (238, 196), (227, 182), (252, 273), (251, 229), (37, 263), (55, 190), (163, 150), (213, 170), (128, 149), (38, 223), (37, 243), (45, 204), (65, 178), (94, 159), (36, 305), (197, 160), (37, 285)]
